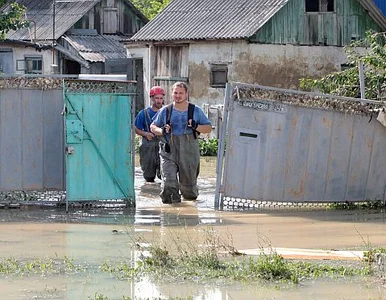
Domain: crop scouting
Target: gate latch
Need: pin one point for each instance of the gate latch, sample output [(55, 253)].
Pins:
[(74, 132), (70, 150)]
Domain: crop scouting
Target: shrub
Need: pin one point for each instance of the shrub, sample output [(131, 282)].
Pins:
[(208, 147)]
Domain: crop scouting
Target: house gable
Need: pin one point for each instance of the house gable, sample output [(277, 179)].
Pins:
[(292, 25), (111, 17)]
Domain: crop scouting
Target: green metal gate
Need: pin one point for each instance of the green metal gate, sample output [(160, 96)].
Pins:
[(99, 140)]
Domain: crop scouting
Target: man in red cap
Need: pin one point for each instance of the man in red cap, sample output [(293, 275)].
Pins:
[(148, 151)]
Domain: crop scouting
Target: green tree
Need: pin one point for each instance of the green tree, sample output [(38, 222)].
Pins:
[(11, 18), (371, 51), (150, 8)]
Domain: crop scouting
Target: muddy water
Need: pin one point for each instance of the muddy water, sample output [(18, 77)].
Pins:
[(93, 236)]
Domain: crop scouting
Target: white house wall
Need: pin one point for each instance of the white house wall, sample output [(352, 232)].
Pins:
[(20, 53), (143, 53), (270, 65)]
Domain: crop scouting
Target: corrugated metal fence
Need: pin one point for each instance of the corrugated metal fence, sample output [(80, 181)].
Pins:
[(31, 140), (32, 135), (293, 147)]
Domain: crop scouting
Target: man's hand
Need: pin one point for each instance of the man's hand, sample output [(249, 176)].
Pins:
[(149, 136), (165, 129), (193, 124)]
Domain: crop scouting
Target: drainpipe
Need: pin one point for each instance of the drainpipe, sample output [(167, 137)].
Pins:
[(150, 77), (33, 22), (53, 65)]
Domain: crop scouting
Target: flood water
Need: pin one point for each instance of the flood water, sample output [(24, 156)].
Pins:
[(92, 236)]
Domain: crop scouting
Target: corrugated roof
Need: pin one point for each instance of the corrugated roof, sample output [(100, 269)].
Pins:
[(68, 12), (219, 19), (209, 19), (96, 47)]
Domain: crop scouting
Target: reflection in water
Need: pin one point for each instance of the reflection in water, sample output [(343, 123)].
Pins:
[(92, 236)]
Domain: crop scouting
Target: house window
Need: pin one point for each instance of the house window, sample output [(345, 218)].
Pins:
[(320, 5), (218, 75), (30, 65), (33, 65)]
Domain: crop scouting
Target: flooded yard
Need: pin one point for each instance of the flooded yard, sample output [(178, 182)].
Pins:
[(89, 237)]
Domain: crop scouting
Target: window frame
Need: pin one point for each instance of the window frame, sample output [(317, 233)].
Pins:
[(22, 64), (218, 67), (319, 7)]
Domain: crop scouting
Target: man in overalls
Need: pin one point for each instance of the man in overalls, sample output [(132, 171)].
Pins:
[(178, 125), (149, 149)]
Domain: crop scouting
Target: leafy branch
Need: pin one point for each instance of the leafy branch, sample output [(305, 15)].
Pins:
[(150, 8), (11, 18), (371, 51)]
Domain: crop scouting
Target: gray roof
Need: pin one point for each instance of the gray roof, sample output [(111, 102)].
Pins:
[(40, 12), (219, 19), (209, 19), (96, 47)]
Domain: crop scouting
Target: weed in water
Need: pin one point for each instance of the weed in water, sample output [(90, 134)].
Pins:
[(376, 204), (12, 266), (214, 258), (9, 266)]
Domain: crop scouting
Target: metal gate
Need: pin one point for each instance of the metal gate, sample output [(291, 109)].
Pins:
[(99, 140), (286, 147)]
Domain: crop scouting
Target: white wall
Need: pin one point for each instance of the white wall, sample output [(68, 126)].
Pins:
[(19, 53), (270, 65), (144, 54)]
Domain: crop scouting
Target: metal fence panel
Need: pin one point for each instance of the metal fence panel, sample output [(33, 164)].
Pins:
[(31, 140), (277, 151)]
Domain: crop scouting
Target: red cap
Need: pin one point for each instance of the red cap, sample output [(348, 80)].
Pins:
[(156, 90)]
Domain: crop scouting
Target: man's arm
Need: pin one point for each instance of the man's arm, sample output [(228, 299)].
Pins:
[(144, 133), (140, 122), (202, 125), (158, 130), (158, 119), (204, 128)]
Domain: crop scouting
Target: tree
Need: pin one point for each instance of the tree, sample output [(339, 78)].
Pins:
[(150, 8), (11, 18), (371, 51)]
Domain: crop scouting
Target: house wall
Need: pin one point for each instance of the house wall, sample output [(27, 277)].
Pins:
[(19, 53), (144, 54), (291, 25), (270, 65)]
